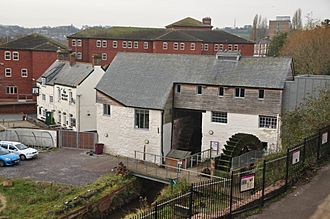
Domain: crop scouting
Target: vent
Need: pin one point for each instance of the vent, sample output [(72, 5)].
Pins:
[(228, 56)]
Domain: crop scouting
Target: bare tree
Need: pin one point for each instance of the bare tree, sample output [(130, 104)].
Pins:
[(259, 28), (253, 34), (296, 20)]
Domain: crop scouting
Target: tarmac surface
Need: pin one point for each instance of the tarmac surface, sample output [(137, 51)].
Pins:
[(306, 201)]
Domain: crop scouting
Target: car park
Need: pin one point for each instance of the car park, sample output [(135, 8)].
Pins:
[(20, 149), (7, 158)]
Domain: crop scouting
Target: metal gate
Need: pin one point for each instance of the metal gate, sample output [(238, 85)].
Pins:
[(73, 139)]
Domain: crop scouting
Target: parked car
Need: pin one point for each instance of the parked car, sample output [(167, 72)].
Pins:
[(20, 149), (7, 158)]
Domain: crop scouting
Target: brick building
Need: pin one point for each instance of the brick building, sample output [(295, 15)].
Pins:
[(187, 36), (22, 61), (282, 24)]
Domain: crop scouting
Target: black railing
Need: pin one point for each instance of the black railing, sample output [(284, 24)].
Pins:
[(244, 190)]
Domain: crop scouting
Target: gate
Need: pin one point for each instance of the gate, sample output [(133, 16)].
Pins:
[(73, 139)]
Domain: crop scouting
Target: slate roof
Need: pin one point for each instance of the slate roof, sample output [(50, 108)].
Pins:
[(33, 42), (188, 22), (145, 80), (61, 72)]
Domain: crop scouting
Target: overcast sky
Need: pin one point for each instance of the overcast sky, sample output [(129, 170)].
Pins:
[(151, 13)]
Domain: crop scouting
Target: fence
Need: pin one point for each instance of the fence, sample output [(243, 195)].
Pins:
[(246, 159), (73, 139), (244, 189)]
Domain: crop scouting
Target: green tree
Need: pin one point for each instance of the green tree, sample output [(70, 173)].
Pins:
[(276, 44), (296, 20), (306, 120)]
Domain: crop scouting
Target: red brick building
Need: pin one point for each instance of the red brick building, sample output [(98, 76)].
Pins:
[(187, 36), (23, 61)]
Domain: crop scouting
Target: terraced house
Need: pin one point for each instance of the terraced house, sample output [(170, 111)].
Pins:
[(157, 102), (187, 36), (22, 62)]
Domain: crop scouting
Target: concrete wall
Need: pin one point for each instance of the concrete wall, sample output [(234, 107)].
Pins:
[(119, 135), (242, 123)]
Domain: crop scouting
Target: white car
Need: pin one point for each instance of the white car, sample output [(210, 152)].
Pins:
[(20, 149)]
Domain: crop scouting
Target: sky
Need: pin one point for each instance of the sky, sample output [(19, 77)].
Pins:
[(151, 13)]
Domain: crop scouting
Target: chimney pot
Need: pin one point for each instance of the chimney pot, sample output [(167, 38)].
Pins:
[(72, 58)]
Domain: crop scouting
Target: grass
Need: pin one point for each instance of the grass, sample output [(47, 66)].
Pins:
[(35, 199)]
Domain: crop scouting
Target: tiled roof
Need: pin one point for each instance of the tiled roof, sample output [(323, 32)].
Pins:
[(61, 72), (187, 22), (33, 42), (151, 76)]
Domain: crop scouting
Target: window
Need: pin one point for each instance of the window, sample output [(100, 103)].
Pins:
[(43, 96), (129, 44), (106, 109), (11, 90), (64, 119), (267, 122), (199, 89), (79, 42), (79, 55), (124, 44), (206, 47), (59, 117), (235, 47), (104, 56), (58, 94), (72, 120), (178, 88), (51, 98), (221, 47), (136, 44), (141, 119), (70, 97), (7, 72), (98, 43), (114, 44), (73, 42), (181, 46), (220, 117), (24, 72), (104, 43), (239, 92), (165, 45), (221, 91), (145, 45), (16, 56), (261, 94), (7, 55), (230, 47), (192, 46), (175, 46), (216, 47), (40, 110)]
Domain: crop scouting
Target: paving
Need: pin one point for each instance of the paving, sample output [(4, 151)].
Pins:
[(68, 166), (306, 201)]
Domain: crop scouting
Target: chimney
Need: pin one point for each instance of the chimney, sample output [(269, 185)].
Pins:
[(207, 21), (62, 54), (72, 58), (96, 60)]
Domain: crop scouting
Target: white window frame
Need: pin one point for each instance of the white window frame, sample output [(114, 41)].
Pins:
[(79, 55), (115, 44), (15, 56), (51, 98), (235, 47), (230, 47), (7, 55), (216, 47), (129, 44), (98, 43), (24, 73), (8, 72), (239, 92), (104, 44), (73, 42), (192, 46), (136, 44), (269, 122), (221, 47), (106, 109), (221, 88), (11, 90), (43, 97), (206, 47), (138, 124), (79, 42), (165, 45), (175, 46), (145, 45), (182, 46), (124, 44), (261, 91), (219, 117), (104, 56)]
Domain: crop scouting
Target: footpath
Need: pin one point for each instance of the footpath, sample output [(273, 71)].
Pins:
[(311, 200)]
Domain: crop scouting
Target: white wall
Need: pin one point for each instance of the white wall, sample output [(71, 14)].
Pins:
[(119, 135), (167, 135), (87, 103), (236, 123)]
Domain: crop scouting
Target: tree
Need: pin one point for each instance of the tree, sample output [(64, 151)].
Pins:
[(296, 20), (276, 44), (259, 28), (311, 22), (309, 50)]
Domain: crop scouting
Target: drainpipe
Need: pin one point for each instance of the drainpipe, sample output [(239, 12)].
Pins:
[(78, 112), (162, 137)]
